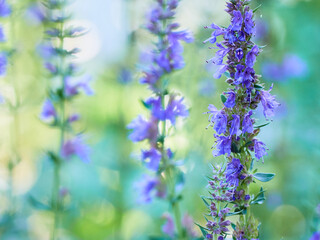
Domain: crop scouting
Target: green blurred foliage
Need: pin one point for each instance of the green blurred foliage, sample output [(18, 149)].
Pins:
[(102, 198)]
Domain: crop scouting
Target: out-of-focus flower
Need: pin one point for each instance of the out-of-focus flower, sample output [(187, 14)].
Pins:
[(146, 188), (74, 85), (48, 112), (142, 129), (260, 149), (269, 103), (77, 147), (315, 236), (5, 9), (168, 227), (292, 66), (188, 224), (152, 158), (35, 14), (3, 64)]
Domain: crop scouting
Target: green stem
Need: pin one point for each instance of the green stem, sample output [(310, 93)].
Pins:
[(55, 194), (169, 173)]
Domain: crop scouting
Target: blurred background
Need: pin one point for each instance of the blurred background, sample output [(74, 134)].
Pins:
[(101, 196)]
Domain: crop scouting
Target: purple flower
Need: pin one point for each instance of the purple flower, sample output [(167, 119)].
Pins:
[(46, 50), (230, 36), (212, 113), (5, 9), (50, 67), (269, 103), (209, 236), (36, 14), (231, 100), (247, 76), (223, 146), (239, 74), (175, 108), (236, 21), (142, 129), (248, 22), (221, 121), (75, 146), (73, 118), (247, 125), (156, 107), (168, 227), (48, 112), (2, 36), (220, 71), (292, 66), (152, 158), (73, 86), (251, 56), (216, 32), (3, 64), (233, 172), (239, 54), (259, 149), (235, 125), (315, 236), (188, 224), (146, 188), (220, 54)]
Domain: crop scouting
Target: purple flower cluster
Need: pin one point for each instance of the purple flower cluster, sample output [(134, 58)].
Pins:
[(5, 11), (164, 107), (168, 56), (57, 62), (236, 136), (221, 192), (233, 123)]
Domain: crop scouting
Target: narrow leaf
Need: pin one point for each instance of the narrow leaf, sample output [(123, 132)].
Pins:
[(223, 98), (264, 177), (262, 125)]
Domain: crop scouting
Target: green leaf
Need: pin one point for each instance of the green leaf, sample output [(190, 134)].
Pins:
[(37, 204), (53, 157), (223, 98), (262, 125), (264, 177), (205, 202), (254, 10), (227, 74), (259, 198), (234, 148), (243, 211), (233, 226), (203, 230), (251, 164), (258, 87), (147, 106)]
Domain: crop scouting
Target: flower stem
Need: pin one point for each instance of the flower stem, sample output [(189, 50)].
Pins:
[(56, 186), (169, 173)]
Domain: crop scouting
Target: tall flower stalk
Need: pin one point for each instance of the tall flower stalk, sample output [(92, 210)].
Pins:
[(63, 86), (6, 56), (235, 130), (165, 107)]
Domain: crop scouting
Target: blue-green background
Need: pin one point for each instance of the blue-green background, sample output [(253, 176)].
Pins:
[(103, 201)]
